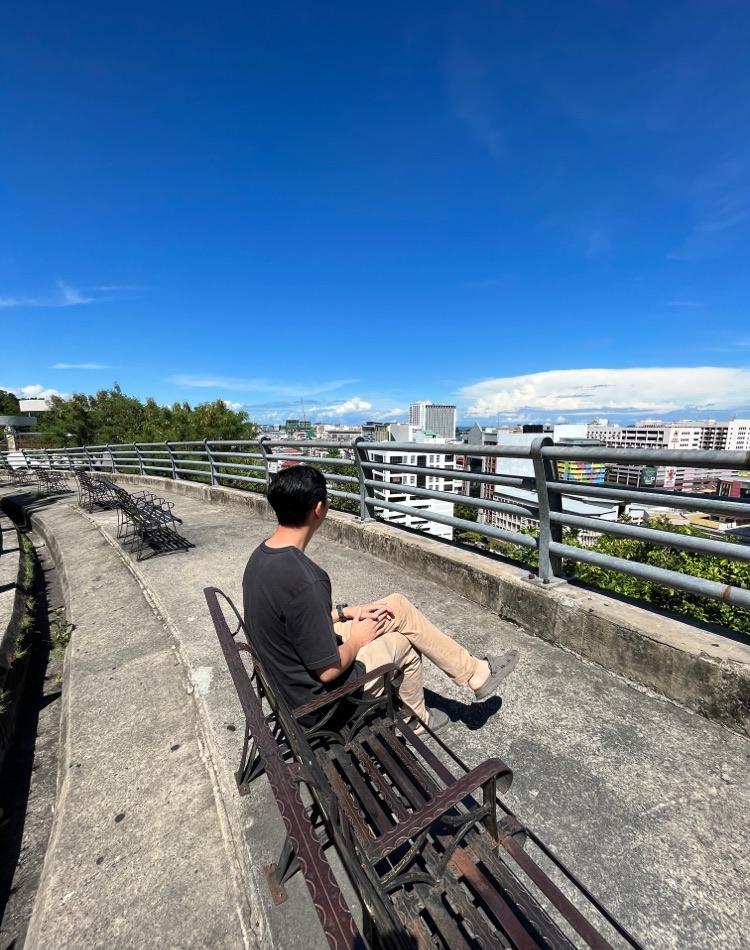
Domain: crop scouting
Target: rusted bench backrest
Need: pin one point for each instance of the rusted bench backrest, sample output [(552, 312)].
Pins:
[(330, 906)]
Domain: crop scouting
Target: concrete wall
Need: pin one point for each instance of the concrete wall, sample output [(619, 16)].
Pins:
[(707, 671)]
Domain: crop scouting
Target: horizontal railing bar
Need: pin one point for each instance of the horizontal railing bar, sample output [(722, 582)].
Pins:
[(173, 445), (682, 458), (450, 448), (242, 478), (250, 468), (652, 497), (244, 455), (312, 459), (334, 477), (512, 481), (157, 468), (490, 531), (233, 442), (453, 498), (672, 539), (658, 575), (190, 471), (307, 443), (336, 493)]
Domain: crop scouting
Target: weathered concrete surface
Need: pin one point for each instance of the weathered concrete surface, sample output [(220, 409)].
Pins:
[(705, 671), (646, 801), (137, 855), (12, 609), (10, 559)]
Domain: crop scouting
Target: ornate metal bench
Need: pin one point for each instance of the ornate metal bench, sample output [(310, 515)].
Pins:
[(52, 481), (92, 491), (432, 865), (146, 520)]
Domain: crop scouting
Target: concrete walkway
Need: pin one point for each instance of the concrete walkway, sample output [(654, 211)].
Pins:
[(648, 803)]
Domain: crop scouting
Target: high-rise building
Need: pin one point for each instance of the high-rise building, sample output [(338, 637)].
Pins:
[(435, 418), (400, 495), (655, 434)]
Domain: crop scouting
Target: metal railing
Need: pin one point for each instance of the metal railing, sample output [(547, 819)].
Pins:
[(251, 464)]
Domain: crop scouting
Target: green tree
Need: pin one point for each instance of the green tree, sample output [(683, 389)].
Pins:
[(467, 512), (68, 422), (8, 404)]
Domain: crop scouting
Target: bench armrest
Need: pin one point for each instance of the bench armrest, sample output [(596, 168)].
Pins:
[(347, 689), (493, 769)]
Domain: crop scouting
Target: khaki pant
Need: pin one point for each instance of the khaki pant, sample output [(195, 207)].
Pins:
[(409, 636)]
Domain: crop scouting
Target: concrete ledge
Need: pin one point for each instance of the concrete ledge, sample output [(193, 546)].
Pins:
[(12, 610), (705, 671), (138, 853)]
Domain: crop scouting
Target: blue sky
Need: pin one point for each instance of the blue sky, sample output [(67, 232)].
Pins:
[(361, 205)]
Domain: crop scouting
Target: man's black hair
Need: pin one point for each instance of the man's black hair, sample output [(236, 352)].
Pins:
[(294, 492)]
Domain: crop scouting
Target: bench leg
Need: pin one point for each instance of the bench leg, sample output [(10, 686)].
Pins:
[(251, 765), (278, 874)]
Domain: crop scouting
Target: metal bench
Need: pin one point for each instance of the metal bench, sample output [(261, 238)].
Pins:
[(432, 865), (92, 491), (52, 481), (145, 520)]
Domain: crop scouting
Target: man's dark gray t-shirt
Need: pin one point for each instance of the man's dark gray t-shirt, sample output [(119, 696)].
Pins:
[(287, 608)]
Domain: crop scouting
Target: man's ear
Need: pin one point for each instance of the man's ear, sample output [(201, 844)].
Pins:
[(320, 510)]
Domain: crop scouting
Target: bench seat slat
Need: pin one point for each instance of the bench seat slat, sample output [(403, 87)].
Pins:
[(371, 806), (379, 782), (345, 801), (405, 755), (464, 865), (394, 769)]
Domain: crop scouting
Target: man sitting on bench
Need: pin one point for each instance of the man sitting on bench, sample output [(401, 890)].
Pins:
[(309, 647)]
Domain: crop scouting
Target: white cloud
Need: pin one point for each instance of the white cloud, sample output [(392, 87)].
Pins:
[(64, 296), (35, 391), (234, 406), (80, 366), (647, 389), (355, 404)]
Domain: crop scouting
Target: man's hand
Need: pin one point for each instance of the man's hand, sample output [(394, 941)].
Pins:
[(377, 610), (369, 623)]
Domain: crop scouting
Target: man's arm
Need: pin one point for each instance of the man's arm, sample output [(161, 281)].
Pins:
[(377, 610), (365, 629)]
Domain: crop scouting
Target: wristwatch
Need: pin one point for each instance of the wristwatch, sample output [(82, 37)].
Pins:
[(340, 611)]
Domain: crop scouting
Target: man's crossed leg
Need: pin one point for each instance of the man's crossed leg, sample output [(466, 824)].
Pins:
[(408, 636)]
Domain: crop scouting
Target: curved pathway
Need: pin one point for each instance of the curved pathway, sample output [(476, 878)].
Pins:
[(647, 802)]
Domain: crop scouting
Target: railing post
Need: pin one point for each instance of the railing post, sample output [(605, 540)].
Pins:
[(171, 459), (270, 464), (211, 465), (550, 565), (112, 461), (140, 458), (366, 508), (89, 459)]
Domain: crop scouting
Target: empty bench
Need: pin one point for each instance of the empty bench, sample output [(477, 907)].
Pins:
[(144, 520), (435, 856)]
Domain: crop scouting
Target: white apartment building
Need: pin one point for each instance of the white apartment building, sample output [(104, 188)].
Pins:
[(655, 434), (400, 495), (434, 418), (512, 521)]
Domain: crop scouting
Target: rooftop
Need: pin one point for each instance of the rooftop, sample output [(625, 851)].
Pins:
[(610, 775)]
